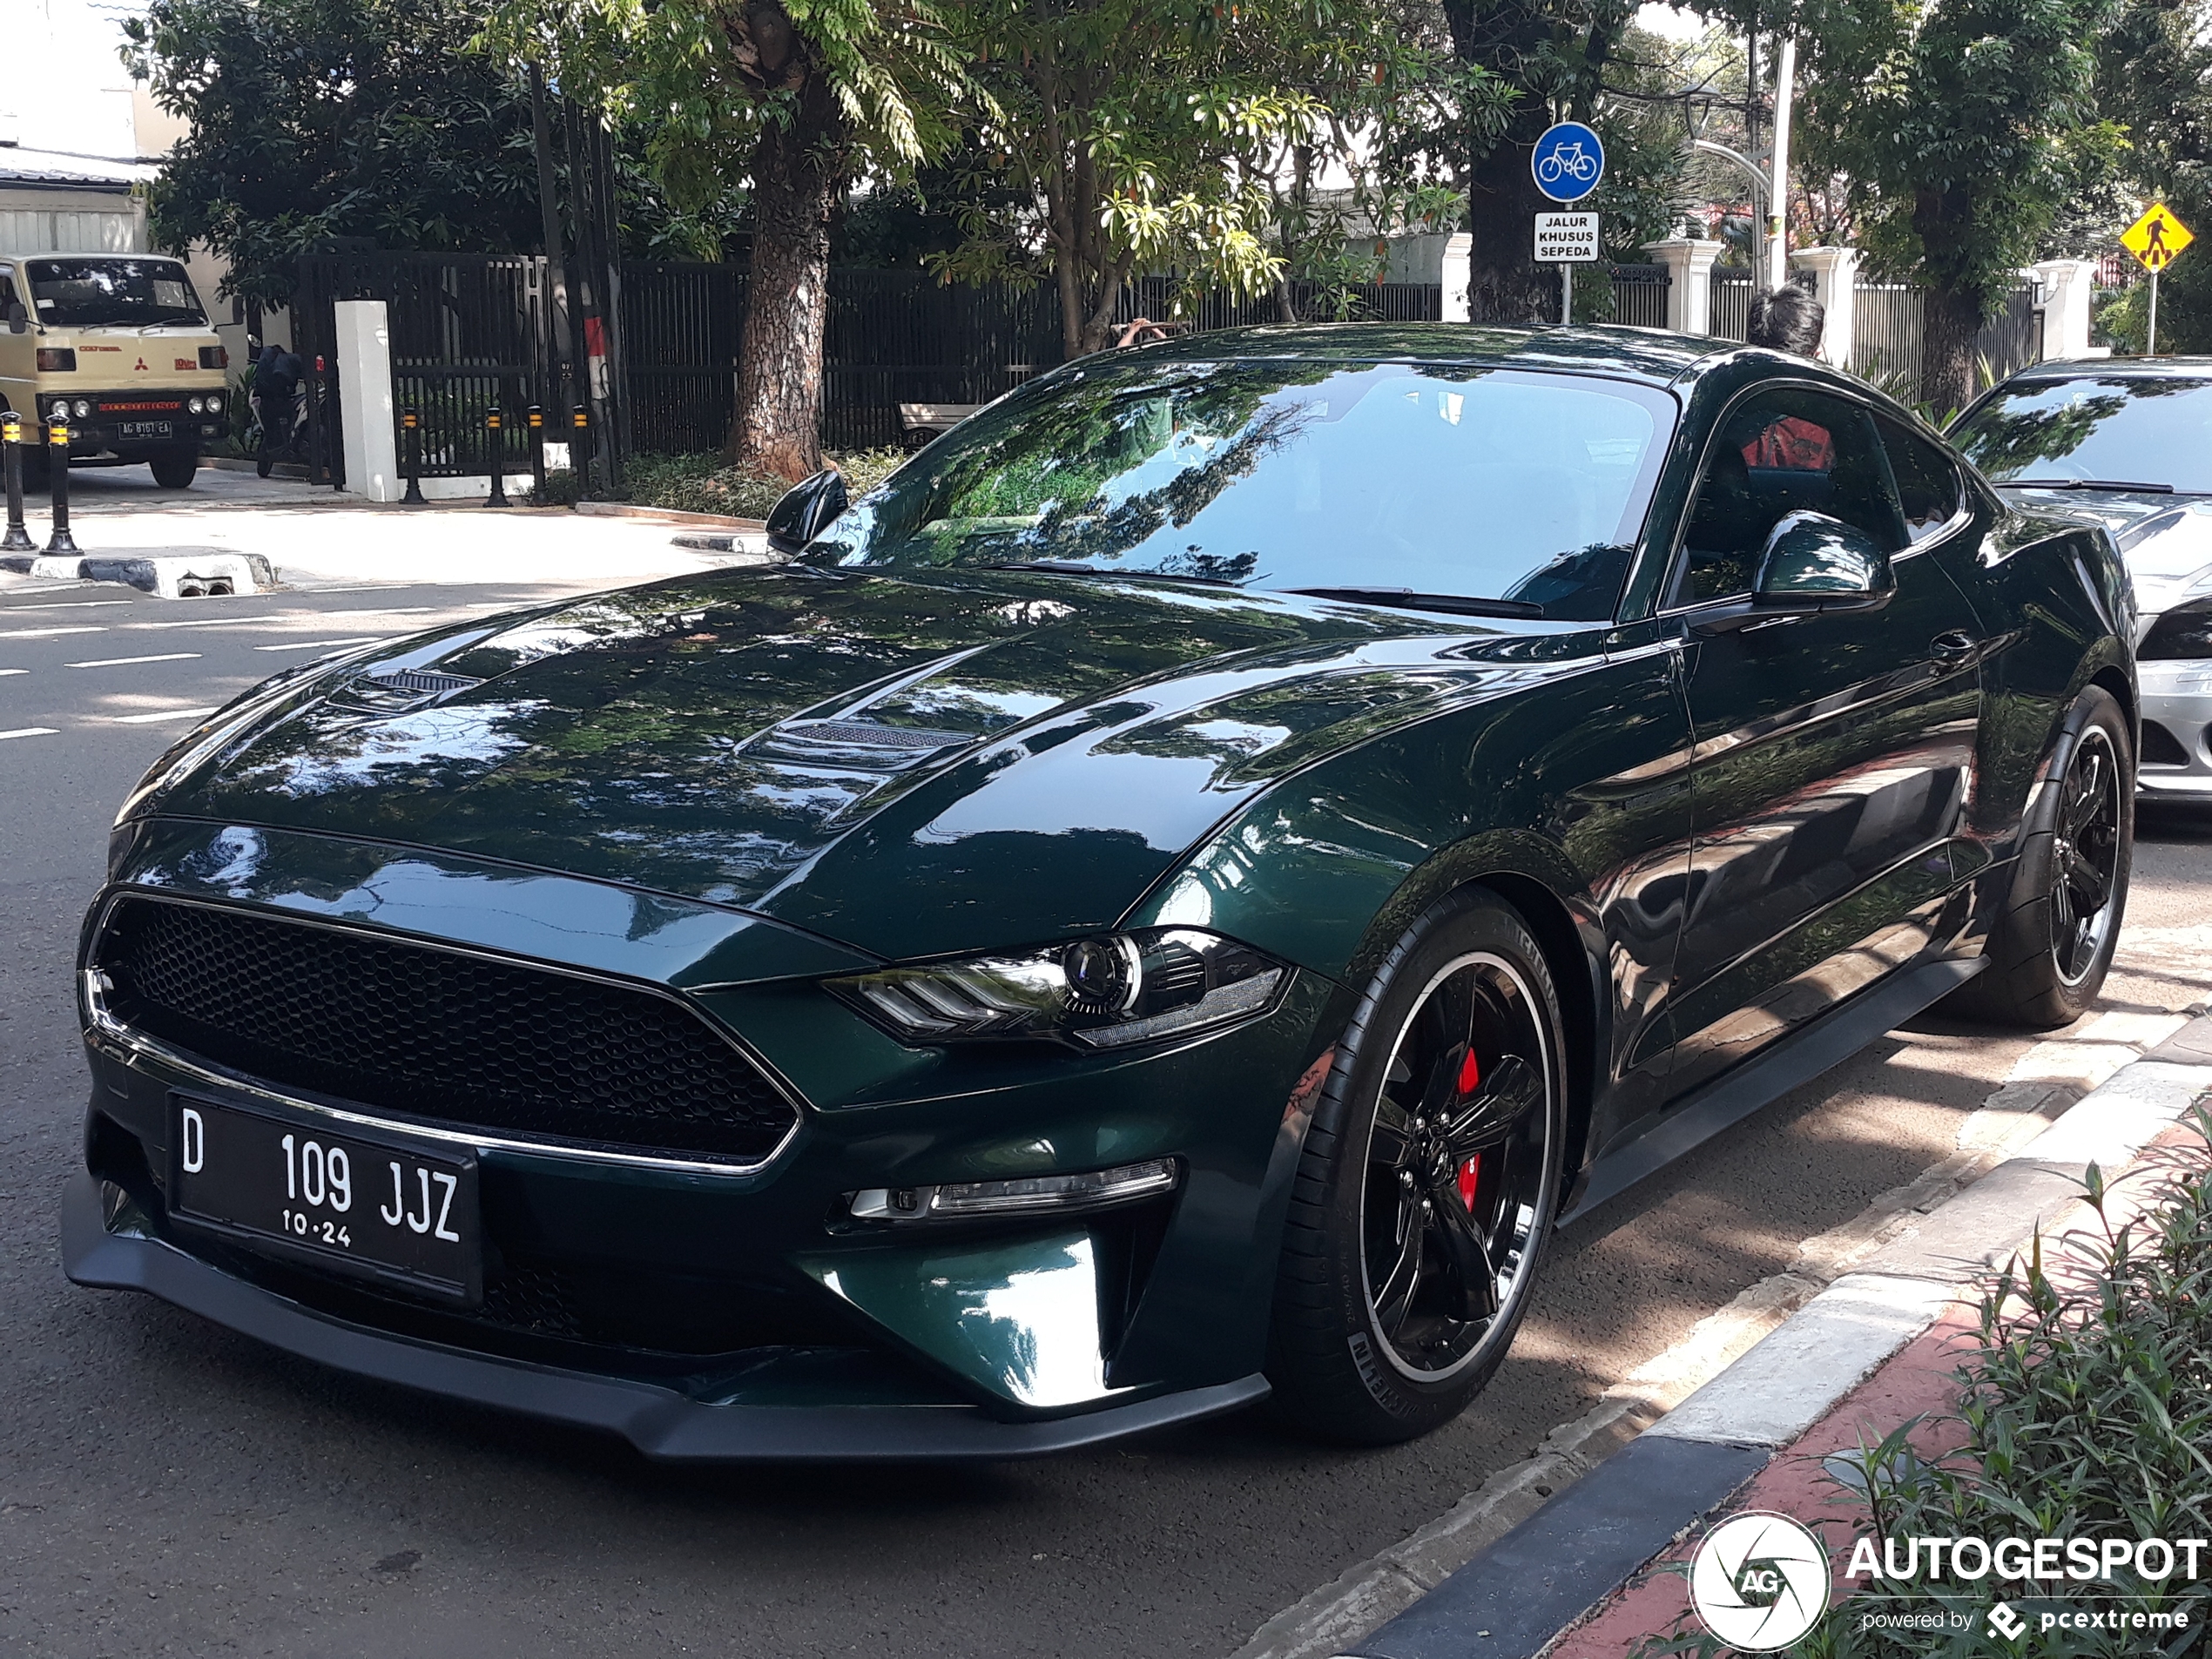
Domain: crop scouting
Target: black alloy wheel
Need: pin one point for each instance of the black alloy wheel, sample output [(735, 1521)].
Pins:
[(1456, 1163), (2057, 921), (1427, 1182), (2084, 857)]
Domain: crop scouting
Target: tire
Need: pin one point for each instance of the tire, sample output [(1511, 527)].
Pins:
[(174, 472), (2052, 946), (1375, 1363)]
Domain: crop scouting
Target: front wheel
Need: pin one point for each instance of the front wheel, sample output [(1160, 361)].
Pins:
[(1428, 1183), (2052, 946), (175, 472)]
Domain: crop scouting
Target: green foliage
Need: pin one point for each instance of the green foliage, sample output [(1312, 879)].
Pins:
[(313, 119), (2084, 1411), (1961, 128), (1149, 135)]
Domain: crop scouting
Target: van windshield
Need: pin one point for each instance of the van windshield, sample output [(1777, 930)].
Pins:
[(107, 290)]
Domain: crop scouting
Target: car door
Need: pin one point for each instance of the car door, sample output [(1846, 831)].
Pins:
[(1830, 751)]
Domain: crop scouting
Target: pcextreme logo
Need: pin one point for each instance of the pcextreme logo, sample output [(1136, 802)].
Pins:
[(1759, 1580)]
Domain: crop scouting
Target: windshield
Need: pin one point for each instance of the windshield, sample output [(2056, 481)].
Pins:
[(2112, 427), (93, 293), (1479, 483)]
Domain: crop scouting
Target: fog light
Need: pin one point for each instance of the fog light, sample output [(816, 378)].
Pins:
[(1093, 1189)]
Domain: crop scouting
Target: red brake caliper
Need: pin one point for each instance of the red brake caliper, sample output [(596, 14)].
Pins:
[(1471, 1172)]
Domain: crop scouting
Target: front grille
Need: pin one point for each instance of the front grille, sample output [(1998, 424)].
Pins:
[(437, 1035)]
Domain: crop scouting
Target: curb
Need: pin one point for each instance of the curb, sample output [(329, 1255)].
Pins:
[(1520, 1593), (670, 516)]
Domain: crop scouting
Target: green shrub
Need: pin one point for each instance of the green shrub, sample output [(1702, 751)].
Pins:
[(563, 488), (2083, 1411), (704, 483)]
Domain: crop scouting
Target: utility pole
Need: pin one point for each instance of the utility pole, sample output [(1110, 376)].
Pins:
[(1785, 74)]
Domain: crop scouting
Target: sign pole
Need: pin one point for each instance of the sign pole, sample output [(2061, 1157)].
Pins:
[(1566, 294), (2150, 345)]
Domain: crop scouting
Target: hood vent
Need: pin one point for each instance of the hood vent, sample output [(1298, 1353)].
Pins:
[(860, 743), (396, 691)]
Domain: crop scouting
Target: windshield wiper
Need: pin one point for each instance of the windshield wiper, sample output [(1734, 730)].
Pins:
[(1069, 567), (1405, 598), (2087, 483)]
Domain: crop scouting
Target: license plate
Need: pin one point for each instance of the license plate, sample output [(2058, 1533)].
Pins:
[(383, 1208), (148, 429)]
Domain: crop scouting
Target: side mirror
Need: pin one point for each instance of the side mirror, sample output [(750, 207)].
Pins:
[(18, 319), (1811, 562), (806, 509)]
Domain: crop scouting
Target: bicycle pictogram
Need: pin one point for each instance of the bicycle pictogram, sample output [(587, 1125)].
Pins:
[(1567, 161)]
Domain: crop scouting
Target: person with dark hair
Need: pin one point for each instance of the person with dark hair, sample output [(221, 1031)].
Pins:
[(1787, 318)]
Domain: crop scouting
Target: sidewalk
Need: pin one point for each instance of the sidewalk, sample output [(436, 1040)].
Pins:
[(1580, 1578), (315, 537)]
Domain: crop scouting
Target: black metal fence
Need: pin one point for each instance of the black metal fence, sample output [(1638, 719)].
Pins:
[(1640, 294), (1885, 338)]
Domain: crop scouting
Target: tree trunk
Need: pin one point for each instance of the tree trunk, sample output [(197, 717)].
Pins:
[(798, 180), (1505, 283), (1950, 323)]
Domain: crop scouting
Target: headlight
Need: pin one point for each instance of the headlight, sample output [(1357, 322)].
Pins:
[(1108, 992), (2186, 630), (83, 406), (197, 405), (214, 403)]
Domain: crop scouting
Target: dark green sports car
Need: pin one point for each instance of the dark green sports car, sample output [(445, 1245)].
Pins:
[(1169, 901)]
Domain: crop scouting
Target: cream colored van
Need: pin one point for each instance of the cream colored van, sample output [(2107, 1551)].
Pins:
[(120, 344)]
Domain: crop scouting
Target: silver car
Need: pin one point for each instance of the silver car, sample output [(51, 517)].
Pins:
[(2130, 442)]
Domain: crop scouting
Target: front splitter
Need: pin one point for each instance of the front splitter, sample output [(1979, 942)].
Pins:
[(660, 1422)]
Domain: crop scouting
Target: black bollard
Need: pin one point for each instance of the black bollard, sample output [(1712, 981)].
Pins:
[(580, 448), (18, 539), (498, 496), (411, 430), (59, 540), (536, 417)]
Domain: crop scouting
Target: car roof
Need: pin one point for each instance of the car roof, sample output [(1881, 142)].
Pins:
[(2125, 368), (1651, 354)]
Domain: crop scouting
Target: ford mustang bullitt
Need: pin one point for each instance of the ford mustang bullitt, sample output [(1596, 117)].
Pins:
[(1167, 903)]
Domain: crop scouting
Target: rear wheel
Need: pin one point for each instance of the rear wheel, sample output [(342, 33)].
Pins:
[(2050, 948), (175, 472), (1428, 1183)]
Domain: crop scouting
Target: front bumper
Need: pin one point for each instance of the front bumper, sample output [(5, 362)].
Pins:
[(108, 1244), (2177, 700)]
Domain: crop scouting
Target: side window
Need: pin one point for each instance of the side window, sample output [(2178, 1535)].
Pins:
[(7, 290), (1927, 484), (1779, 452)]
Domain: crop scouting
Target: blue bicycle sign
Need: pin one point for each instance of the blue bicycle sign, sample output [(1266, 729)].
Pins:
[(1567, 161)]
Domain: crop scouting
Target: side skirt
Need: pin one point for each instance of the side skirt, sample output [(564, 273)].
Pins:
[(1729, 1099)]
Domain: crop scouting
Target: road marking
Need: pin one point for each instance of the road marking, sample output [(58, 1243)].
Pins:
[(28, 731), (320, 645), (48, 633), (14, 671), (159, 714), (126, 662), (286, 616), (67, 604)]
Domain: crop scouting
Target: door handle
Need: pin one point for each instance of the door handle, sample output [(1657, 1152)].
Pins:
[(1952, 645)]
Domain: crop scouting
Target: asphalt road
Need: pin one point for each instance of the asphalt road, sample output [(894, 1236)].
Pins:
[(167, 1487)]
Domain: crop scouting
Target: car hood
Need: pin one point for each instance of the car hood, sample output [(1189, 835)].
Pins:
[(2166, 540), (906, 764)]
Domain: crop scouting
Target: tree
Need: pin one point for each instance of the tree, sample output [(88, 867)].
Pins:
[(1140, 134), (798, 99), (318, 119), (1962, 126)]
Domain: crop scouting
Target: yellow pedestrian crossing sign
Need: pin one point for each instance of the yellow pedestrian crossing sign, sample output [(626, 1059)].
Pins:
[(2156, 238)]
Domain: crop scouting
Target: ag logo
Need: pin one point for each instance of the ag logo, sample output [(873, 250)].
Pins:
[(1759, 1580)]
